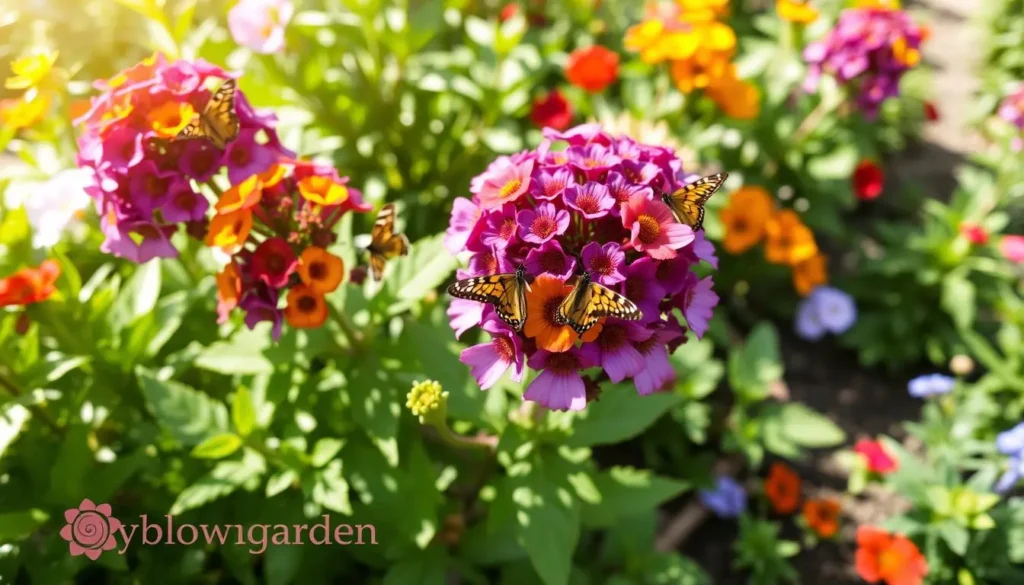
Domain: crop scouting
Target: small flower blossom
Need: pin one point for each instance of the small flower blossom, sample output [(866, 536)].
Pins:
[(1011, 442), (930, 385), (426, 398), (826, 310), (875, 456), (798, 11), (782, 488), (52, 206), (867, 181), (745, 217), (592, 68), (260, 25), (552, 110), (1012, 248), (822, 516), (892, 559), (29, 285), (727, 500), (589, 206), (789, 241)]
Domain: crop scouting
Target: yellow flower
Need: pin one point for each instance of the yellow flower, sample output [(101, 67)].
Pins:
[(798, 11), (883, 4), (703, 10), (24, 112), (30, 70), (645, 38), (904, 53), (169, 118), (323, 191)]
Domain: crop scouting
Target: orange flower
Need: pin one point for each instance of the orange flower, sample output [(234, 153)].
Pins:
[(547, 292), (29, 285), (320, 270), (306, 308), (737, 98), (700, 71), (822, 516), (323, 190), (904, 53), (249, 192), (745, 217), (782, 488), (798, 11), (228, 231), (592, 68), (229, 290), (789, 241), (810, 274), (168, 118), (893, 559)]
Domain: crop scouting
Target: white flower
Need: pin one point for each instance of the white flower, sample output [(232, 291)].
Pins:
[(51, 205)]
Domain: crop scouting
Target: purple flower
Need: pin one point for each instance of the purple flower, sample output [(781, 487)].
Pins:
[(614, 350), (549, 186), (123, 148), (1011, 476), (1012, 108), (604, 263), (580, 135), (246, 157), (550, 258), (808, 323), (592, 200), (657, 372), (1011, 442), (825, 310), (930, 385), (489, 262), (640, 173), (139, 241), (698, 303), (184, 204), (622, 190), (593, 160), (464, 223), (700, 249), (642, 287), (542, 223), (559, 385), (727, 500), (489, 361), (259, 305), (463, 315), (500, 228)]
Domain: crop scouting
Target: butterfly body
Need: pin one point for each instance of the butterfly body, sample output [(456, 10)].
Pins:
[(505, 292), (589, 301), (687, 203), (218, 122), (385, 244)]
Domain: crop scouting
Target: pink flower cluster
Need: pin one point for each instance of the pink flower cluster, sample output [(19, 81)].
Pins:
[(595, 202), (1012, 111), (869, 48), (143, 194)]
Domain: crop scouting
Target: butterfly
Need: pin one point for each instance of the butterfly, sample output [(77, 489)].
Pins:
[(589, 301), (506, 292), (687, 203), (385, 244), (218, 122)]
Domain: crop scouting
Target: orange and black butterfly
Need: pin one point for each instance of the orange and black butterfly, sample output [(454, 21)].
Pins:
[(589, 301), (217, 123), (687, 203), (505, 292), (385, 244)]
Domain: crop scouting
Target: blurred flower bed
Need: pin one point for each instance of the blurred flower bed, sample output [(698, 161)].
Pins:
[(228, 304)]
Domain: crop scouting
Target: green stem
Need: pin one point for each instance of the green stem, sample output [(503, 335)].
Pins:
[(356, 338), (486, 442), (41, 413)]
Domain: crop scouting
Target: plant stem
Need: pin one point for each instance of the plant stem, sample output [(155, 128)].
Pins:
[(42, 413), (356, 338), (486, 442)]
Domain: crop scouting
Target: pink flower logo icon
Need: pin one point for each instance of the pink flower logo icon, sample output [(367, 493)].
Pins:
[(90, 529)]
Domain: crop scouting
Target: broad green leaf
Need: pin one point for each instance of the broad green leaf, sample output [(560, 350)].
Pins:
[(625, 491), (375, 402), (223, 479), (674, 569), (17, 526), (71, 468), (188, 414), (281, 564), (804, 427), (242, 354), (331, 489), (956, 536), (618, 415), (12, 421), (425, 567), (427, 266), (51, 368), (958, 299), (218, 446), (547, 529), (325, 450), (138, 297), (243, 413)]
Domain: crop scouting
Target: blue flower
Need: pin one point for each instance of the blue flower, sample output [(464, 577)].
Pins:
[(1011, 476), (727, 500), (930, 385), (826, 310), (1011, 442)]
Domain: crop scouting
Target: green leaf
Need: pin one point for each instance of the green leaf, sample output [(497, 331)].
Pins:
[(281, 564), (188, 414), (757, 364), (547, 529), (243, 413), (223, 479), (12, 422), (242, 354), (325, 450), (838, 164), (138, 297), (956, 536), (958, 299), (69, 471), (331, 489), (17, 526), (804, 427), (218, 446), (625, 491), (375, 405), (425, 567), (618, 415), (427, 266)]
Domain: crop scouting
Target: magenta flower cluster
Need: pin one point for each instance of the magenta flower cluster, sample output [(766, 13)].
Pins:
[(1012, 111), (587, 197), (869, 49), (142, 192)]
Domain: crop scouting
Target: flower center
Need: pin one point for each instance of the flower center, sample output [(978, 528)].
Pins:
[(587, 203), (505, 349), (510, 188), (601, 266), (649, 229), (307, 304), (185, 200), (507, 229), (633, 175), (591, 163), (275, 263), (645, 347), (562, 363), (889, 562), (241, 157), (552, 261), (202, 161), (154, 185), (543, 226), (620, 191), (317, 271), (612, 337), (554, 186), (551, 310), (490, 262)]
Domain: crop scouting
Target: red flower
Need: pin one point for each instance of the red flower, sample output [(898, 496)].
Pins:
[(931, 113), (273, 262), (552, 110), (592, 68), (893, 559), (867, 180), (974, 233), (29, 285), (508, 11), (877, 459)]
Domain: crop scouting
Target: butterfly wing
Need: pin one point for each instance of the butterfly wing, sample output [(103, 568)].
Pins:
[(687, 203), (506, 292), (589, 302), (385, 244), (218, 122)]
